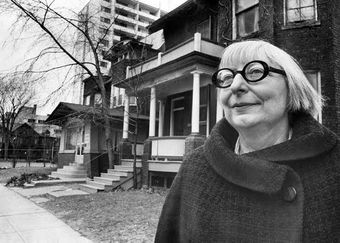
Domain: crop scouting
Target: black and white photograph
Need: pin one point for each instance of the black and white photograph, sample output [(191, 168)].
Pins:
[(169, 121)]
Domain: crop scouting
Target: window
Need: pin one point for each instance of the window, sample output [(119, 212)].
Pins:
[(132, 100), (205, 29), (247, 17), (105, 20), (104, 42), (104, 31), (41, 121), (105, 9), (31, 120), (103, 64), (97, 100), (298, 11), (71, 138), (87, 100), (314, 79)]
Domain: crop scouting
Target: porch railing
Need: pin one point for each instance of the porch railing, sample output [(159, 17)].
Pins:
[(167, 148), (194, 44)]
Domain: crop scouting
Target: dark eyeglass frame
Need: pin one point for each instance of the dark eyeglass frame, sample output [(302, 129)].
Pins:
[(266, 71)]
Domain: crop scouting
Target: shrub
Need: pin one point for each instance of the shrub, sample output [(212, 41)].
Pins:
[(26, 178)]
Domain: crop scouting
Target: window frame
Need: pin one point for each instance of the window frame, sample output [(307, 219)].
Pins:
[(304, 22), (236, 21), (105, 20), (105, 9)]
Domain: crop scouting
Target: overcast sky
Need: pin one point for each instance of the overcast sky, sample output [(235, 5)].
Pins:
[(10, 56)]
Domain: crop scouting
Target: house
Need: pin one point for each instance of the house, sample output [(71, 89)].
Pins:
[(178, 78), (178, 83), (32, 138), (30, 145), (82, 139)]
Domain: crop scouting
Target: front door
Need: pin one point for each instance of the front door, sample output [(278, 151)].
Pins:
[(79, 155)]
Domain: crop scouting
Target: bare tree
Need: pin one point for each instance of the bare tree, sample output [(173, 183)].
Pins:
[(137, 51), (15, 93), (55, 32)]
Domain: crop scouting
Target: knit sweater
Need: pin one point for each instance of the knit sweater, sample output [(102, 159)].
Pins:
[(285, 193)]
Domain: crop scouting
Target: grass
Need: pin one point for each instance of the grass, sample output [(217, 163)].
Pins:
[(123, 216), (129, 216), (6, 174)]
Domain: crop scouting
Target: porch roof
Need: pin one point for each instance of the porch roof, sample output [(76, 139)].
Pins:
[(65, 110)]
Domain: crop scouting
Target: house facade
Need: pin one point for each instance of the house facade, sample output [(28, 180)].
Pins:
[(183, 105)]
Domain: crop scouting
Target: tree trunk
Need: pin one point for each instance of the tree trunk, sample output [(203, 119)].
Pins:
[(6, 147), (135, 182), (109, 143)]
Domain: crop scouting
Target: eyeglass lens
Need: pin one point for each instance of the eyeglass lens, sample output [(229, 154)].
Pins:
[(253, 71)]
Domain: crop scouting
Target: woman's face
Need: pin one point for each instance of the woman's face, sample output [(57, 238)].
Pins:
[(248, 105)]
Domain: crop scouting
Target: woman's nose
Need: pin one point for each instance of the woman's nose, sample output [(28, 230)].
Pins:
[(239, 84)]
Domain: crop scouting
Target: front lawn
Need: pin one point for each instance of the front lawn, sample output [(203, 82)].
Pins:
[(129, 216)]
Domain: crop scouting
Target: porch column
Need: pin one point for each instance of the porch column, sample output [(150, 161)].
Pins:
[(219, 108), (160, 118), (126, 117), (195, 114), (152, 121)]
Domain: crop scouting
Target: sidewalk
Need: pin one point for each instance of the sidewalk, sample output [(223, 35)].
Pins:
[(23, 221)]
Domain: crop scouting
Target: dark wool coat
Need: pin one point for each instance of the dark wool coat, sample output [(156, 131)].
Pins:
[(285, 193)]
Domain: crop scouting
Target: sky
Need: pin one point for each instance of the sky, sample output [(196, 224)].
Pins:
[(12, 54)]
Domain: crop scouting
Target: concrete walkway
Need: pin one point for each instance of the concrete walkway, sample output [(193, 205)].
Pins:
[(23, 221)]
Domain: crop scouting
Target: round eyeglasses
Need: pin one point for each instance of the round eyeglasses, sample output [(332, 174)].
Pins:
[(253, 71)]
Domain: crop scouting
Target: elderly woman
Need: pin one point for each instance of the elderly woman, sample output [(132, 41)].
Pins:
[(268, 172)]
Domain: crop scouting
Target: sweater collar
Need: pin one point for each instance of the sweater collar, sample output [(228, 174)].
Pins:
[(256, 170)]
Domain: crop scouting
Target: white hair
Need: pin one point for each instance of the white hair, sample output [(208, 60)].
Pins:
[(301, 94)]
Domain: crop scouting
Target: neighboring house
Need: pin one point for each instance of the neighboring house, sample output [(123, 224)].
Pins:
[(30, 145), (178, 78), (32, 138), (83, 139)]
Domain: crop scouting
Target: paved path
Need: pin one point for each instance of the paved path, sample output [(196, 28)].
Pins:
[(23, 221)]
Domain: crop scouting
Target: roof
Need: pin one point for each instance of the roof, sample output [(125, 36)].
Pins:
[(65, 110), (188, 7), (158, 24), (25, 126)]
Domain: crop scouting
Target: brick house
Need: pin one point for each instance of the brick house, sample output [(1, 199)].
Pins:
[(195, 33)]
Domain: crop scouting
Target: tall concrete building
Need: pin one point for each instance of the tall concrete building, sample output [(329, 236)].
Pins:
[(108, 22)]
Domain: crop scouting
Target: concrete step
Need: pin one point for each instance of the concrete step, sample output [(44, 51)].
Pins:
[(118, 173), (99, 185), (76, 167), (90, 189), (123, 168), (56, 174), (71, 171), (111, 176), (56, 182), (106, 181), (130, 163)]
